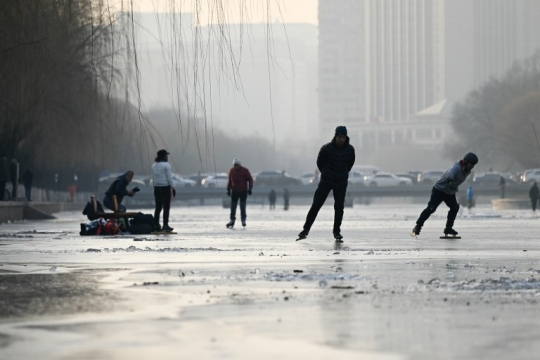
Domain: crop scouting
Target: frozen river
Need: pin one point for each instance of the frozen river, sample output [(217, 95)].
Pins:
[(256, 293)]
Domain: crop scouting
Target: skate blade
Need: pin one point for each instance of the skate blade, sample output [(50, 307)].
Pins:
[(450, 237), (164, 233), (339, 241), (301, 238)]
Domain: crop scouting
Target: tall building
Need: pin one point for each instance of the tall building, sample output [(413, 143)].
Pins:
[(383, 62)]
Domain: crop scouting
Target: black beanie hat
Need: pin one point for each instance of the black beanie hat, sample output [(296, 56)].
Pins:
[(341, 130), (471, 158)]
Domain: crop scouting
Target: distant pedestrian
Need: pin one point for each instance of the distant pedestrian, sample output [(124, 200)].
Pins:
[(335, 161), (28, 179), (470, 197), (164, 189), (238, 188), (445, 189), (533, 195), (4, 176), (272, 199), (502, 184), (14, 177), (286, 197)]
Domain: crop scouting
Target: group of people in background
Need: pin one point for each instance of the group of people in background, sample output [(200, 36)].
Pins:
[(9, 173), (334, 161), (272, 197)]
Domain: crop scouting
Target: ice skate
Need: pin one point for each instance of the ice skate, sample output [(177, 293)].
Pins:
[(338, 237), (416, 231), (450, 233), (244, 223), (303, 234), (230, 224)]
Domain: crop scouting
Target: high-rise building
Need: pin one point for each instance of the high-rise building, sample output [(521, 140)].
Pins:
[(383, 62)]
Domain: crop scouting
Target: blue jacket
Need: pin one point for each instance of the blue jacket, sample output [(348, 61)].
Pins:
[(118, 188)]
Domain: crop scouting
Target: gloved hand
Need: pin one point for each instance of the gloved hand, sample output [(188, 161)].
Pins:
[(136, 189), (228, 192), (249, 192), (452, 185), (173, 192)]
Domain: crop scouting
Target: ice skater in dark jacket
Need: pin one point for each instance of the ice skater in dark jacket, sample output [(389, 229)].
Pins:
[(241, 184), (334, 161), (445, 189)]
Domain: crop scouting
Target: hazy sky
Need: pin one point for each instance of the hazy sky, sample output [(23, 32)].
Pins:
[(292, 11)]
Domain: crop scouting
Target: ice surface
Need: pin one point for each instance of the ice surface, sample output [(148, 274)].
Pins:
[(209, 292)]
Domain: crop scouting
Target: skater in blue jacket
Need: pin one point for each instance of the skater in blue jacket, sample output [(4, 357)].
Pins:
[(445, 189)]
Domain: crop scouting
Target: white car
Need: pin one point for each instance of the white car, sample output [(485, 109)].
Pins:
[(386, 179), (308, 179), (356, 178), (180, 182), (530, 176), (216, 181)]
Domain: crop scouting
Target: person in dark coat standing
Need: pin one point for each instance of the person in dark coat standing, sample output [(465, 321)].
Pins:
[(335, 161), (238, 188), (533, 195), (502, 184), (286, 197), (272, 199), (4, 176), (14, 176), (28, 179)]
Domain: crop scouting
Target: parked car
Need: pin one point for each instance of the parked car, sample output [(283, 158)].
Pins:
[(386, 179), (276, 178), (308, 179), (429, 177), (492, 178), (411, 177), (531, 175), (216, 181), (183, 182), (198, 178), (356, 178), (367, 170)]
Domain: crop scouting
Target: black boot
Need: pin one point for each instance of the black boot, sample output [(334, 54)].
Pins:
[(303, 234), (450, 231), (416, 230), (230, 224)]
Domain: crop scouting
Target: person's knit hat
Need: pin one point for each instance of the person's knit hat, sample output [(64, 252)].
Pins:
[(341, 130), (471, 158), (236, 162)]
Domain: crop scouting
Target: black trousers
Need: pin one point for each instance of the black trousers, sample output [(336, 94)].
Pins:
[(162, 196), (534, 201), (235, 196), (437, 197), (319, 198)]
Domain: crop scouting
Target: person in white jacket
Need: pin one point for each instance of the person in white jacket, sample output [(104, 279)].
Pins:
[(163, 189)]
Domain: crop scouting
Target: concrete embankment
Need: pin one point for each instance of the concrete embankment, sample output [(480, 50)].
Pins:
[(20, 210)]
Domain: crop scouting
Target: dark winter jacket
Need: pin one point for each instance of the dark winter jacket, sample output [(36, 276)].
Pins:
[(240, 180), (534, 192), (28, 177), (118, 188), (335, 162)]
